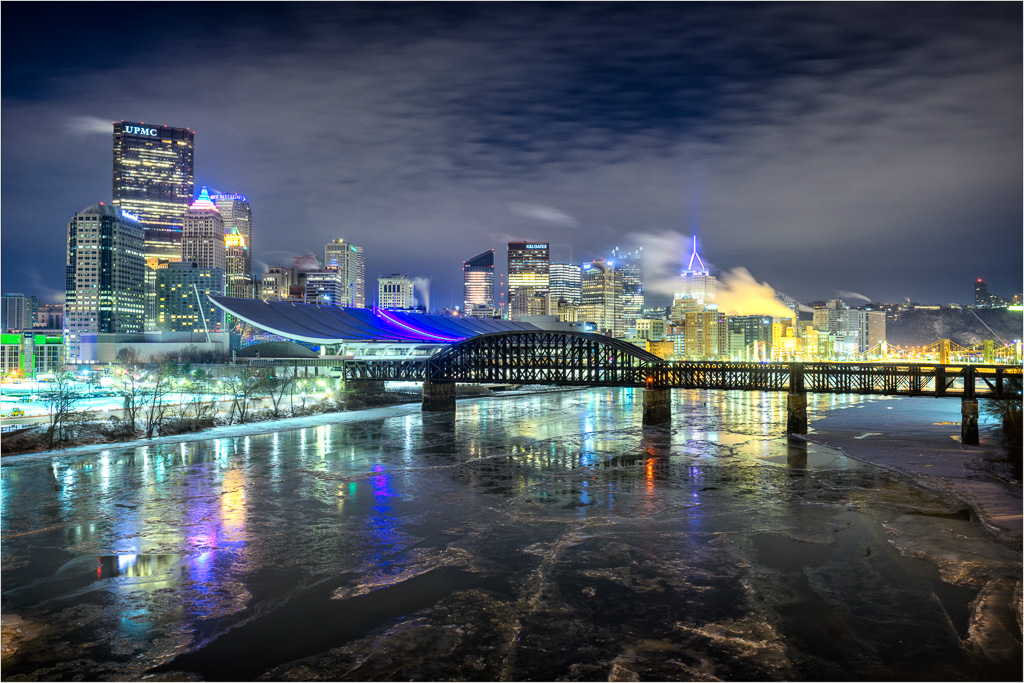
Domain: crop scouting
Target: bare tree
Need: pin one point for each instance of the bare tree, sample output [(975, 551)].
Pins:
[(243, 384), (128, 379), (278, 382), (60, 397), (155, 393)]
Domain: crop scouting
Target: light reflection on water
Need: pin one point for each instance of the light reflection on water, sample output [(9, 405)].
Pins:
[(188, 534)]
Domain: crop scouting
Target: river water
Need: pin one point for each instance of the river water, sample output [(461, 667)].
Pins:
[(541, 537)]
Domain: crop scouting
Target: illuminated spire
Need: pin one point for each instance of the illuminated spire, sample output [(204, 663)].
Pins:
[(695, 256), (204, 202)]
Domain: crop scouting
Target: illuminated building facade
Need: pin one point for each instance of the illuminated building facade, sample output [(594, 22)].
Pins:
[(564, 281), (236, 214), (984, 298), (182, 298), (705, 335), (27, 354), (478, 285), (528, 267), (347, 260), (325, 287), (277, 282), (630, 264), (153, 172), (202, 234), (696, 282), (395, 291), (104, 276), (750, 337), (601, 298)]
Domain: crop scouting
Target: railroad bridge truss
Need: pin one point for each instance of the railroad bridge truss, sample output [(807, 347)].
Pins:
[(582, 359)]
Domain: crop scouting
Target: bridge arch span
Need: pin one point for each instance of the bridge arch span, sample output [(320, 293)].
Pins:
[(543, 357)]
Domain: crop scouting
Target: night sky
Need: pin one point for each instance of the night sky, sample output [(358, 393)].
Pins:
[(865, 150)]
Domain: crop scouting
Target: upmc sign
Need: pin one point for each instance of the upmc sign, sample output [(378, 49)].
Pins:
[(139, 130)]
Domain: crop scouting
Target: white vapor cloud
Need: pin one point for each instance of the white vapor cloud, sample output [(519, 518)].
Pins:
[(852, 295), (89, 125), (545, 214)]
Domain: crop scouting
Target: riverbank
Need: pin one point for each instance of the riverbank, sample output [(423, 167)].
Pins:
[(920, 438)]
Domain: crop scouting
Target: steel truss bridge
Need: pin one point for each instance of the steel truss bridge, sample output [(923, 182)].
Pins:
[(581, 359)]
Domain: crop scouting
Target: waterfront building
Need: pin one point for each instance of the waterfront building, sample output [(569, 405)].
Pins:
[(630, 264), (478, 285), (528, 303), (395, 291), (325, 287), (347, 260), (528, 267), (236, 215), (601, 298), (875, 328), (696, 281), (565, 283), (17, 311), (105, 274), (202, 235), (183, 305), (27, 354)]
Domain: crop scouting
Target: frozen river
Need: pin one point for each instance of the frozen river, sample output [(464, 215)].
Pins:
[(540, 537)]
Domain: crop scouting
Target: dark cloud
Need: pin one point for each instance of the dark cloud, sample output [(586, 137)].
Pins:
[(865, 147)]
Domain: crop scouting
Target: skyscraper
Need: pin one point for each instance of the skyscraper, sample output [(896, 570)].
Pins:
[(696, 281), (630, 264), (564, 283), (528, 267), (202, 234), (237, 216), (182, 302), (153, 181), (104, 274), (347, 260), (478, 285), (601, 299), (153, 177)]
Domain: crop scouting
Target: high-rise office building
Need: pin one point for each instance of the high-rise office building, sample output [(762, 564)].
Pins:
[(696, 281), (630, 264), (478, 285), (528, 267), (347, 260), (395, 291), (17, 312), (601, 298), (706, 334), (153, 176), (104, 274), (153, 182), (202, 234), (277, 282), (182, 303), (325, 287), (237, 216), (564, 281)]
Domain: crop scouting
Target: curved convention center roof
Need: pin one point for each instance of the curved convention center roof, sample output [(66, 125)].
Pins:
[(317, 324)]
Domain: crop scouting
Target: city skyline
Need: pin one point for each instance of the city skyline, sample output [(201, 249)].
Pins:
[(829, 150)]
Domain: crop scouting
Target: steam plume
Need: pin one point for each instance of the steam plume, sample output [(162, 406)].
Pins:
[(421, 288), (852, 295)]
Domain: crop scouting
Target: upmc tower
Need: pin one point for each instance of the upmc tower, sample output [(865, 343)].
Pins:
[(153, 176)]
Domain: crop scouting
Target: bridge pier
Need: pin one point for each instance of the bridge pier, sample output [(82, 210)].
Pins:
[(969, 421), (657, 407), (796, 414), (438, 396)]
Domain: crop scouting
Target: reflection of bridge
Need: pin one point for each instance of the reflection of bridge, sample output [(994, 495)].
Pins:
[(579, 359)]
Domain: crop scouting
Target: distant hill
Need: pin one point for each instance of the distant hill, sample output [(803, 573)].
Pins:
[(920, 327)]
